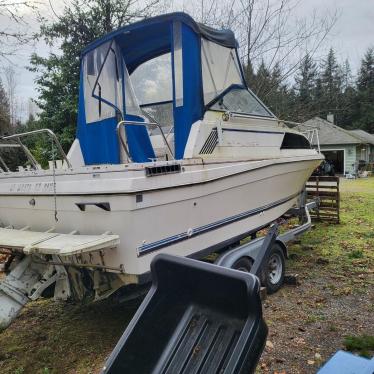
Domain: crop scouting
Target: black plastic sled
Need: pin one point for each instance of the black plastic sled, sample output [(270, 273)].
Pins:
[(196, 318)]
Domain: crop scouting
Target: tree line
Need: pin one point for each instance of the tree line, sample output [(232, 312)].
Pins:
[(319, 89)]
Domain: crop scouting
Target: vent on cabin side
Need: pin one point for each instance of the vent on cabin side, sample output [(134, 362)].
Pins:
[(152, 171), (210, 143)]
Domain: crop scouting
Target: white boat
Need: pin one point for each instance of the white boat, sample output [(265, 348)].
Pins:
[(174, 154)]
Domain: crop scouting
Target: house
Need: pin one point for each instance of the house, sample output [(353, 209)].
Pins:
[(345, 148), (368, 153)]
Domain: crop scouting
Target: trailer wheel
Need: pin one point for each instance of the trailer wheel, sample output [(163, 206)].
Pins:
[(243, 264), (276, 269)]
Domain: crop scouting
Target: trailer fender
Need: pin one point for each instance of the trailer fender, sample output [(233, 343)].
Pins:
[(284, 247)]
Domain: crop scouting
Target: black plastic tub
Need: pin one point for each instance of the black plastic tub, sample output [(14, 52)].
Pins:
[(196, 318)]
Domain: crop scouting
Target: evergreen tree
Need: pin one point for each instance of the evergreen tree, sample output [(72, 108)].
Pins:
[(4, 111), (267, 86), (331, 82), (249, 74), (262, 81), (306, 79), (277, 94), (365, 88), (305, 89), (348, 97), (347, 78)]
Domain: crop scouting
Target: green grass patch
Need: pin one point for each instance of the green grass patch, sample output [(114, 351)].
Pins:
[(356, 253), (363, 344), (347, 245)]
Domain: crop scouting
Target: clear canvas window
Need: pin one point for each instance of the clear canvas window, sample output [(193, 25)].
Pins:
[(102, 82), (152, 82), (220, 69)]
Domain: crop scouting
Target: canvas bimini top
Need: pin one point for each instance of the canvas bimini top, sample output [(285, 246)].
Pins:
[(168, 68)]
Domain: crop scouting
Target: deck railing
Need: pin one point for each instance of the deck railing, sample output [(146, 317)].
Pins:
[(122, 140), (313, 137), (29, 155)]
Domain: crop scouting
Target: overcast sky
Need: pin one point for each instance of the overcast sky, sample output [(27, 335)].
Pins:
[(351, 36)]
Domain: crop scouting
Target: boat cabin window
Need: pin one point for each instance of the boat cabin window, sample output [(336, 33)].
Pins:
[(152, 82), (240, 100), (295, 141), (220, 68), (102, 83)]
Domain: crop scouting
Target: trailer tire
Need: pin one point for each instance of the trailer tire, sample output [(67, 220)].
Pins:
[(243, 264), (274, 273)]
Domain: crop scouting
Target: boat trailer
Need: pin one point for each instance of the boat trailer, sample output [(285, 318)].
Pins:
[(201, 317)]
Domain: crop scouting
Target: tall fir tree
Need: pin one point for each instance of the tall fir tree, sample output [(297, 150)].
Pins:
[(365, 88), (348, 97), (305, 89), (331, 84), (262, 80), (346, 74)]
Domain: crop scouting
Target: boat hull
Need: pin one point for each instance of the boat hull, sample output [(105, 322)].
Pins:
[(183, 220)]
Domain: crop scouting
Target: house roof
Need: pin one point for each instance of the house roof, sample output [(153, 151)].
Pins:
[(330, 134), (364, 136)]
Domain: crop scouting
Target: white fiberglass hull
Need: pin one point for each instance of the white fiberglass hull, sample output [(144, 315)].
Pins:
[(181, 220)]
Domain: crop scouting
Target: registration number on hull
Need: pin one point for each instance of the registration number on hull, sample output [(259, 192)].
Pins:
[(32, 187)]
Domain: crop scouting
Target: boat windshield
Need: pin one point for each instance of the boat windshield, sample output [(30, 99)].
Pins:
[(240, 100)]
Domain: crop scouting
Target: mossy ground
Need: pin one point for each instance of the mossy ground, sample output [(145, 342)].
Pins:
[(307, 324)]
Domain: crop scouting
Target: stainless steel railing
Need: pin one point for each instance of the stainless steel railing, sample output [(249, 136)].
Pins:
[(134, 123), (312, 136), (28, 153)]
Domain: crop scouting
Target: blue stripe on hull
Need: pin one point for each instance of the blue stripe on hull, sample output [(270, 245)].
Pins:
[(150, 247)]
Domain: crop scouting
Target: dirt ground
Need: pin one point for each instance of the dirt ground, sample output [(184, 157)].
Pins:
[(307, 323)]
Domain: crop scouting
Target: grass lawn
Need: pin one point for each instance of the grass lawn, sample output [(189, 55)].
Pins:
[(331, 309)]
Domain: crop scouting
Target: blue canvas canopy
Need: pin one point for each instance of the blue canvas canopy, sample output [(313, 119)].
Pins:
[(120, 77)]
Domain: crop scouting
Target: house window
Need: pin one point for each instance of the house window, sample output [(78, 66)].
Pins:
[(363, 154)]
